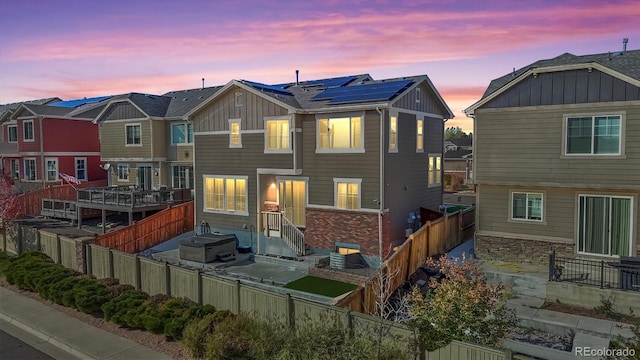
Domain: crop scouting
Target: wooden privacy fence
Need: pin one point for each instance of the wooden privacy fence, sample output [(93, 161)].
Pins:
[(31, 202), (435, 237), (152, 230), (155, 277)]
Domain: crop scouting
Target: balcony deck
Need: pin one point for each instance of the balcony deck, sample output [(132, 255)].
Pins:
[(130, 199)]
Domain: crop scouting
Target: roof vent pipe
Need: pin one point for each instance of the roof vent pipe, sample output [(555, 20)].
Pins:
[(624, 45), (297, 73), (203, 83)]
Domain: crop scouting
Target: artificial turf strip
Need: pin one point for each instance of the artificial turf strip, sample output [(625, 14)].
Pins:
[(320, 286)]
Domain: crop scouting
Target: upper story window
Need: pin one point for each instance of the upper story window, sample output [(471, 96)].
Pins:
[(594, 135), (181, 133), (393, 134), (81, 168), (526, 206), (235, 141), (12, 135), (435, 170), (341, 135), (133, 134), (27, 135), (123, 172), (226, 194), (277, 135), (347, 193), (420, 135)]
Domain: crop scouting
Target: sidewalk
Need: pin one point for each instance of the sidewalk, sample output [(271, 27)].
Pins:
[(67, 333)]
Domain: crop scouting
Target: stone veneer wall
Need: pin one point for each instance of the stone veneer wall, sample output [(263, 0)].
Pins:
[(338, 275), (519, 250), (325, 227)]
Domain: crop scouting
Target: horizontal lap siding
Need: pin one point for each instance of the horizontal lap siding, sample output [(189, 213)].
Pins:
[(113, 138), (214, 157), (323, 168), (532, 153), (160, 143)]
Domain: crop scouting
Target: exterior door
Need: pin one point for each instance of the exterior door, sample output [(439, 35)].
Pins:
[(293, 200), (144, 177)]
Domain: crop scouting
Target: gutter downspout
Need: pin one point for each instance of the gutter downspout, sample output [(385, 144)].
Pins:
[(381, 200), (42, 164)]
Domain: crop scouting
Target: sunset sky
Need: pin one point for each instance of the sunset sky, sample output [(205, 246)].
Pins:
[(73, 49)]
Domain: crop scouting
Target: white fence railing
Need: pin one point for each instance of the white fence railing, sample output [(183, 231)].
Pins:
[(275, 224)]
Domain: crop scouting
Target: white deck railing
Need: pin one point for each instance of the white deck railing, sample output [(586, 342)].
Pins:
[(275, 224)]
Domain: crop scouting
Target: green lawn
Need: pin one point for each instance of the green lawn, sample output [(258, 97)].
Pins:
[(320, 286)]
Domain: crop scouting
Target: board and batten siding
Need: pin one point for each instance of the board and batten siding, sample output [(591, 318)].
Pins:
[(566, 87), (122, 111), (215, 116), (113, 140), (214, 157), (525, 146), (406, 172), (424, 101), (321, 169)]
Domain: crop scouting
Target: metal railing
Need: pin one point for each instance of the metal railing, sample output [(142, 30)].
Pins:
[(65, 209), (127, 196), (623, 274)]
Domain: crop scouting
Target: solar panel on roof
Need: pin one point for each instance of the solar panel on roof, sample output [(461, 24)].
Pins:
[(271, 88), (332, 82), (79, 102), (364, 92)]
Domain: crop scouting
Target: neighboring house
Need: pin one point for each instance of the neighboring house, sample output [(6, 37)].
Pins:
[(145, 141), (335, 164), (52, 139), (557, 159), (464, 143), (9, 135), (458, 165)]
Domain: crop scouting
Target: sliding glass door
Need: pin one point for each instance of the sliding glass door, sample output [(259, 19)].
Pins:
[(605, 225)]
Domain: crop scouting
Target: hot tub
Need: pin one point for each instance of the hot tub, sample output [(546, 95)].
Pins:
[(207, 247)]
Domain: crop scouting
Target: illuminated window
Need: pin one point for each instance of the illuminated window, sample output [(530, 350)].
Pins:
[(420, 136), (347, 193), (226, 194), (343, 134), (393, 134), (277, 135), (435, 170), (235, 141)]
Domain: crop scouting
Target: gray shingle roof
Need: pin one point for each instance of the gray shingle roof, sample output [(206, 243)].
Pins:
[(182, 101), (48, 110), (627, 64), (152, 105), (456, 154)]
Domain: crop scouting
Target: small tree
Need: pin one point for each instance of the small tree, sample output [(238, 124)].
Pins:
[(454, 133), (8, 200), (462, 306)]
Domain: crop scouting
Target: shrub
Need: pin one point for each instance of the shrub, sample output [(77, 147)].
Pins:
[(196, 331), (123, 307), (19, 270), (89, 295), (234, 338)]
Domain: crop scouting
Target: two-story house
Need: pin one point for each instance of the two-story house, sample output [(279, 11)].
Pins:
[(53, 139), (9, 157), (341, 164), (557, 159), (146, 142)]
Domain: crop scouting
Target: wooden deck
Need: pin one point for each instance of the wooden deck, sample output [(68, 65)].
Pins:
[(130, 199)]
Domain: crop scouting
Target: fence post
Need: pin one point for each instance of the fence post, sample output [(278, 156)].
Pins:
[(88, 259), (167, 273), (289, 311), (138, 274), (58, 250), (111, 270), (601, 274), (552, 265), (238, 307), (199, 285)]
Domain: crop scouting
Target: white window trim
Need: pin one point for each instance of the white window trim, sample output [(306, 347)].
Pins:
[(86, 165), (266, 134), (393, 148), (434, 155), (631, 227), (240, 96), (46, 166), (227, 212), (418, 120), (24, 132), (186, 143), (527, 193), (128, 172), (347, 180), (565, 134), (125, 135), (9, 127), (190, 174), (25, 167), (341, 151), (239, 144), (12, 168)]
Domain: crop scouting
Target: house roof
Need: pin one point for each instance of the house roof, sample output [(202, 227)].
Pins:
[(7, 109), (625, 64), (182, 101), (456, 154), (79, 102), (464, 141), (334, 93), (45, 110)]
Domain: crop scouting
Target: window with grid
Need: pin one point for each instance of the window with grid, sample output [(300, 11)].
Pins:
[(593, 135), (123, 172), (340, 134), (435, 169), (277, 135), (347, 193), (27, 126), (225, 194), (133, 134), (13, 133), (181, 133), (52, 169), (81, 168), (183, 177), (30, 169)]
